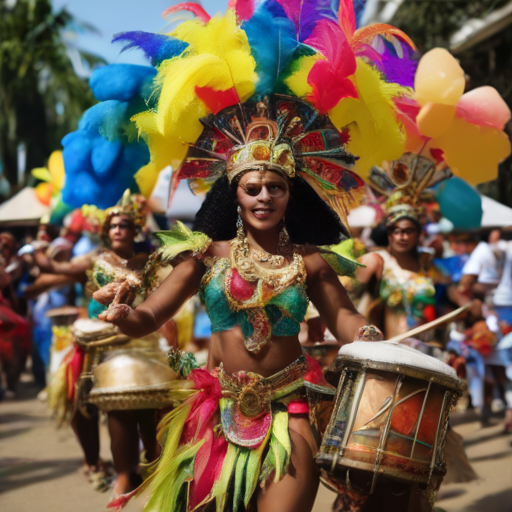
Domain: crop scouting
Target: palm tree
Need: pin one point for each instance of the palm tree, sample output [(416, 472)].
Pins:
[(41, 96)]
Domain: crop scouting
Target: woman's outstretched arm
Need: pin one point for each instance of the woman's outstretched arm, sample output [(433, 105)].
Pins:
[(161, 305), (75, 268), (331, 299)]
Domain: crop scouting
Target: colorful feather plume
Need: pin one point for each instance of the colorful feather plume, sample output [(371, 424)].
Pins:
[(102, 157), (311, 49)]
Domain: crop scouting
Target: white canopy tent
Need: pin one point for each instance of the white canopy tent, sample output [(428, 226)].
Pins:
[(495, 214), (22, 209), (184, 203), (362, 217)]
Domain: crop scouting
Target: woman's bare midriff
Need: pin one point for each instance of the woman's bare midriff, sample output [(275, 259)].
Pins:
[(228, 348)]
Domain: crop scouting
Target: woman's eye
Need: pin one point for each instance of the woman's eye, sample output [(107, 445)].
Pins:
[(252, 191)]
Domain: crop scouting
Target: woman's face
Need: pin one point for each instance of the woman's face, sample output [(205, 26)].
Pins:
[(262, 196), (403, 236), (121, 233)]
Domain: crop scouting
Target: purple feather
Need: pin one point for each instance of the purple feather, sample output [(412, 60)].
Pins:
[(156, 47), (305, 14), (395, 68)]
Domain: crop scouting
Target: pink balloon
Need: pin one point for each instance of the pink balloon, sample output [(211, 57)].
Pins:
[(484, 106)]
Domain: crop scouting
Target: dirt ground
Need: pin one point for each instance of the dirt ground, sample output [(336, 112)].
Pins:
[(40, 467)]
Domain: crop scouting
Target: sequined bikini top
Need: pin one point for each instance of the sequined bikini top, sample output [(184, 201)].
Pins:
[(107, 268), (235, 291), (404, 290), (259, 308)]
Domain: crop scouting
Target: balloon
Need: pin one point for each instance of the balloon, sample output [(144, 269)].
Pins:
[(484, 106), (56, 169), (473, 152), (439, 78), (434, 119), (44, 193), (460, 203)]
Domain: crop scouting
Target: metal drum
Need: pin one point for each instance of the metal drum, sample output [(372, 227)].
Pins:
[(122, 372), (390, 416)]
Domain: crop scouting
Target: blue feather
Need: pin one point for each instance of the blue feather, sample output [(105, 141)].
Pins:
[(156, 47), (121, 82), (273, 43)]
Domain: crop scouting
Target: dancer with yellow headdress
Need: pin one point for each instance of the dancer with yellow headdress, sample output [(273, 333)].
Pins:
[(123, 376)]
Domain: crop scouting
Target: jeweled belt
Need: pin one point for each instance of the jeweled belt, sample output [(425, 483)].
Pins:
[(253, 393)]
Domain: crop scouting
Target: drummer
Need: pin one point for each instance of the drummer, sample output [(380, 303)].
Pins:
[(114, 261)]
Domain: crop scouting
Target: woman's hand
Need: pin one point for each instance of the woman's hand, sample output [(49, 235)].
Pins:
[(115, 313), (106, 294), (369, 333), (119, 292)]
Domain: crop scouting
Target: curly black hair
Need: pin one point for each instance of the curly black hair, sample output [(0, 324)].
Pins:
[(308, 218)]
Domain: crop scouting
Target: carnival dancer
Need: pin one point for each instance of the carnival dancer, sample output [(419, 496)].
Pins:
[(398, 277), (241, 437), (15, 339), (128, 411)]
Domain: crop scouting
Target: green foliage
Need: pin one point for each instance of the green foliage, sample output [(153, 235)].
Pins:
[(430, 23), (41, 96)]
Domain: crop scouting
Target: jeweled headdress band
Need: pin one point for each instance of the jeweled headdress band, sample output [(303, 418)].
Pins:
[(278, 133), (401, 212), (404, 182)]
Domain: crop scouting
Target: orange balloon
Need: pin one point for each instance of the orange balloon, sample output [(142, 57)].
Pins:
[(434, 119), (473, 152), (439, 78), (44, 193)]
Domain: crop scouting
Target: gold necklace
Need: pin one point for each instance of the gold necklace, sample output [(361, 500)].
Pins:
[(272, 273)]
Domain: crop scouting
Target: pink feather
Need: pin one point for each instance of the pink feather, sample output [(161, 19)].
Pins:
[(244, 9), (329, 78), (188, 6)]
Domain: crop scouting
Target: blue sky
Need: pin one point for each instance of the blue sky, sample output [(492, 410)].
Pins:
[(113, 16)]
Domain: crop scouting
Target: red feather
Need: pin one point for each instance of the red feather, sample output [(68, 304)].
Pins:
[(188, 6), (244, 9), (329, 78), (217, 100)]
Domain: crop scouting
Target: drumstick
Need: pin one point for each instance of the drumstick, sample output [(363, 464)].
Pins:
[(430, 325)]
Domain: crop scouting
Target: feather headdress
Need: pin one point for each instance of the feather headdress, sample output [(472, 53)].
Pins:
[(288, 85)]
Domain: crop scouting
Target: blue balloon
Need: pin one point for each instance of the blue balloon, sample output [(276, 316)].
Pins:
[(460, 203)]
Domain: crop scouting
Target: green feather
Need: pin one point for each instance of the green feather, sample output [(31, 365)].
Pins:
[(181, 239), (340, 257)]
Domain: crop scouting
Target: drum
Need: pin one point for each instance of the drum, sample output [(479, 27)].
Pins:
[(390, 416), (122, 372), (324, 352), (94, 336)]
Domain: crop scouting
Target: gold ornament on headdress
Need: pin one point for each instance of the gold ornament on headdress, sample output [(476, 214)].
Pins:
[(404, 183), (279, 133), (130, 205)]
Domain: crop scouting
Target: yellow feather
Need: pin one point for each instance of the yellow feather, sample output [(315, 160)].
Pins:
[(375, 133), (298, 81), (219, 57)]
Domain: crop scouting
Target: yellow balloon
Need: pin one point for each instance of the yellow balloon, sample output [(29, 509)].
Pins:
[(439, 78), (473, 152), (434, 119), (56, 168)]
